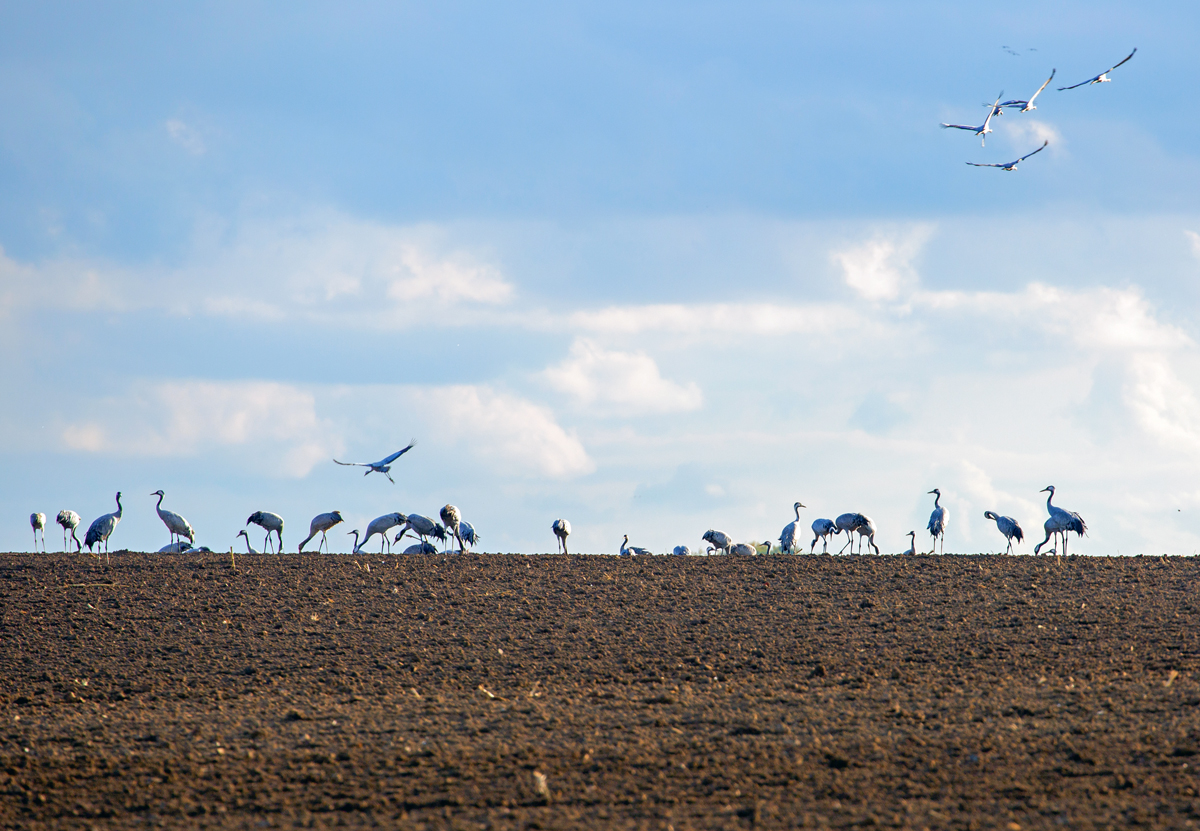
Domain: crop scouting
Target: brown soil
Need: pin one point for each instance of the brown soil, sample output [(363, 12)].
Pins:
[(568, 692)]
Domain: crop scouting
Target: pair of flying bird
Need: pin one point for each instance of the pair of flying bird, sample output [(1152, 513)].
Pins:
[(998, 106)]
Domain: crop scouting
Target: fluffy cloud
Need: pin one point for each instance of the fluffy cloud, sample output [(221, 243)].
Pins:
[(624, 383), (881, 268), (1194, 239)]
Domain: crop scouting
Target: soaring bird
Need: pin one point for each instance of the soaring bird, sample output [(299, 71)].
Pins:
[(102, 527), (861, 524), (451, 518), (681, 551), (319, 525), (562, 530), (984, 128), (628, 550), (38, 521), (912, 544), (1011, 166), (177, 525), (381, 525), (822, 530), (468, 534), (69, 520), (1026, 106), (937, 521), (249, 547), (1008, 527), (1102, 78), (787, 539), (1064, 521), (383, 465), (719, 539), (268, 522)]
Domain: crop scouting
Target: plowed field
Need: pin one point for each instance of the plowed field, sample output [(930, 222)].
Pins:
[(590, 692)]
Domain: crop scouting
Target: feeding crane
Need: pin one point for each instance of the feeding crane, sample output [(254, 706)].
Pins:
[(38, 521), (381, 525), (69, 520), (861, 524), (719, 539), (681, 551), (822, 530), (1008, 527), (450, 519), (319, 525), (270, 523), (562, 530)]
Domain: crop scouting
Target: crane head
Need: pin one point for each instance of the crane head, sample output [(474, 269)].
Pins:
[(935, 490), (799, 505), (158, 492), (1049, 488)]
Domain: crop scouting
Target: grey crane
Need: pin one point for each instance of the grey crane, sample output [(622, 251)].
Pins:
[(383, 465), (319, 525), (468, 534), (249, 547), (177, 525), (421, 548), (1027, 106), (268, 522), (562, 530), (178, 547), (937, 521), (38, 521), (1008, 526), (912, 544), (1053, 527), (983, 129), (681, 551), (354, 549), (1064, 521), (628, 550), (423, 526), (381, 525), (101, 529), (1102, 78), (451, 517), (861, 524), (822, 530), (719, 539), (1011, 166), (743, 549), (788, 538), (69, 520)]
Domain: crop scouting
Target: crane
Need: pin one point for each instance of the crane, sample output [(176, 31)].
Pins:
[(1011, 166), (983, 129), (319, 525), (451, 519), (912, 544), (383, 465), (628, 550), (423, 525), (468, 534), (719, 539), (1027, 106), (860, 523), (381, 525), (1102, 78), (1064, 521), (69, 520), (270, 523), (822, 530), (681, 551), (101, 529), (787, 539), (562, 530), (249, 547), (1008, 527), (937, 521), (743, 549), (421, 548), (38, 521), (177, 525)]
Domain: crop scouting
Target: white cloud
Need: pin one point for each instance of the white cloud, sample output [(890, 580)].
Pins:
[(623, 383), (1164, 405), (713, 321), (186, 136), (881, 268), (449, 280), (1194, 239), (1030, 133), (510, 433)]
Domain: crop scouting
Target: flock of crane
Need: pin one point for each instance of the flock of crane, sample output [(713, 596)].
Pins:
[(997, 108), (454, 528)]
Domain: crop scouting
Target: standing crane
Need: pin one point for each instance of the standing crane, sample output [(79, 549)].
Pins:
[(937, 521), (861, 524), (1008, 527), (381, 525), (719, 539), (823, 529), (69, 520), (1064, 521), (177, 525), (787, 539), (269, 522), (451, 519), (249, 547), (101, 529), (562, 530), (319, 525), (38, 521)]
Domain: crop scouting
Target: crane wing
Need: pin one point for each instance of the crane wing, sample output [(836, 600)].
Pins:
[(1034, 153), (974, 164), (397, 454), (963, 127), (1042, 87), (352, 464), (1081, 83), (1127, 57)]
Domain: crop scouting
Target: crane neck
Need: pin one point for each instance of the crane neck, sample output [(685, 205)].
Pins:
[(1049, 507), (119, 508), (797, 510), (937, 498), (158, 507)]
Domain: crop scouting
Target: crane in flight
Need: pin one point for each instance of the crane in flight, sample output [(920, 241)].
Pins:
[(383, 465), (1102, 78), (1011, 166), (983, 129), (1026, 106)]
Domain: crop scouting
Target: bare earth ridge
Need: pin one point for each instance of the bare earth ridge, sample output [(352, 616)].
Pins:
[(585, 692)]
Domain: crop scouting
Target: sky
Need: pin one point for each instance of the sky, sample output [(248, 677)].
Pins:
[(654, 268)]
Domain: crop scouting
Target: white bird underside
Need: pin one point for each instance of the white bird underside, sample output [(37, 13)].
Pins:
[(383, 465), (1026, 106), (983, 129), (1102, 78)]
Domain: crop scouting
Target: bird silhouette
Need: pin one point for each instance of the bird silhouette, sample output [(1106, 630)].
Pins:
[(383, 465)]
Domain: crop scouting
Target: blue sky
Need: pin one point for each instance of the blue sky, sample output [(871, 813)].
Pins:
[(654, 270)]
